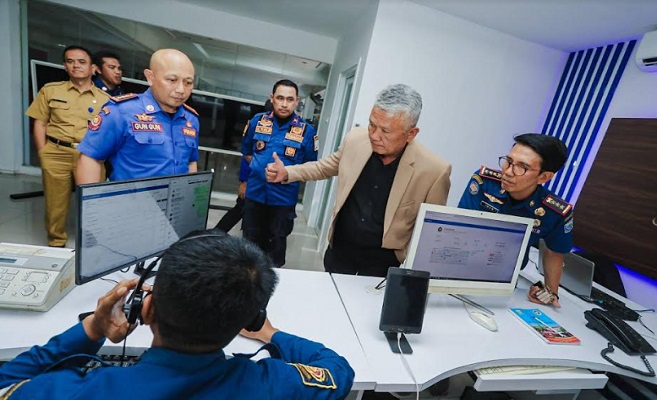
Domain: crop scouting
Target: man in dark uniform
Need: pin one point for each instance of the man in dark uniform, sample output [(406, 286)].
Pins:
[(61, 112), (207, 289), (269, 209), (151, 134), (518, 190), (108, 72)]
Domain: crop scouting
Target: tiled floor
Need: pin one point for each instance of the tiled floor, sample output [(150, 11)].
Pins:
[(21, 221)]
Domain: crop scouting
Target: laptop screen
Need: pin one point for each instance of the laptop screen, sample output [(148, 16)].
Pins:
[(577, 275), (468, 247)]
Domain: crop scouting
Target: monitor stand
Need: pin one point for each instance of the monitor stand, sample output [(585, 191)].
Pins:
[(403, 343), (472, 303)]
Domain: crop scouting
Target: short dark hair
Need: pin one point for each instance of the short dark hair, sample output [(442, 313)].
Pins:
[(285, 82), (75, 47), (99, 55), (208, 288), (553, 152)]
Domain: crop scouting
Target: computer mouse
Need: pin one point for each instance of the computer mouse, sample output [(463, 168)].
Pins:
[(484, 320)]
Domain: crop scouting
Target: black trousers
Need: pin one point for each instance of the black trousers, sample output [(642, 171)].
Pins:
[(268, 227), (232, 216)]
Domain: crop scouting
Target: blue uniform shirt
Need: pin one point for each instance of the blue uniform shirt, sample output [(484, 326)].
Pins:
[(295, 142), (305, 370), (553, 217), (117, 91), (140, 139), (245, 170)]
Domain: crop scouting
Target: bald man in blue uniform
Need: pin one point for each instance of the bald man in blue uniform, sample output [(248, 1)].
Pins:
[(207, 289), (269, 208), (518, 190), (151, 134)]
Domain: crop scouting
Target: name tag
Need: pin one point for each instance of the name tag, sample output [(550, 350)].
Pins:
[(147, 127), (191, 132)]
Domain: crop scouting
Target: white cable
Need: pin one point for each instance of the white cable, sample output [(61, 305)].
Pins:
[(408, 368)]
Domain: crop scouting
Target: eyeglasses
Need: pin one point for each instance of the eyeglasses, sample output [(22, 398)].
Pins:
[(518, 169)]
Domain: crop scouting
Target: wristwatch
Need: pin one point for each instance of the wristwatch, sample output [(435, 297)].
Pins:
[(545, 295)]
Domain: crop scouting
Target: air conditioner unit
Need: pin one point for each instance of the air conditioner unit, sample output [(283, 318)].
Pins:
[(646, 54)]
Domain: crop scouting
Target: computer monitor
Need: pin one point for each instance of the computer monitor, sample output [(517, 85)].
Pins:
[(467, 251), (125, 222)]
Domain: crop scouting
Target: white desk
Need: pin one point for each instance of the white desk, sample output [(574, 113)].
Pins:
[(451, 343), (305, 303)]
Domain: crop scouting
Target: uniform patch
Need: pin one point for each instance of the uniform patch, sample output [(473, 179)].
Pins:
[(493, 199), (260, 145), (489, 207), (478, 179), (144, 117), (568, 226), (316, 143), (295, 137), (490, 173), (474, 188), (191, 132), (290, 151), (124, 97), (106, 110), (246, 128), (556, 204), (190, 109), (147, 127), (260, 128), (94, 122), (297, 130), (539, 211), (150, 107), (315, 376), (189, 124)]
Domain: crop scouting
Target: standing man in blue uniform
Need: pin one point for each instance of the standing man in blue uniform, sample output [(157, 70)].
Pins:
[(518, 190), (108, 72), (269, 209), (207, 290), (151, 134)]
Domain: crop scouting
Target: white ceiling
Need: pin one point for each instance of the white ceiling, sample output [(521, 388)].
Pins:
[(324, 17), (567, 25)]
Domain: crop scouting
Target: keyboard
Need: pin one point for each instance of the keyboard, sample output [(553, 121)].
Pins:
[(111, 361), (613, 305), (522, 369)]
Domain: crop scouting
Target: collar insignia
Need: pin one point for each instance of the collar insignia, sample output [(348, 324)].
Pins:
[(144, 118)]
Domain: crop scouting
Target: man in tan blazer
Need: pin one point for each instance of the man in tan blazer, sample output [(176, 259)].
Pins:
[(383, 177)]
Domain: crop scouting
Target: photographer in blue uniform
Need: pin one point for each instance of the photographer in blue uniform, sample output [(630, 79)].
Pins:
[(518, 190), (208, 288), (269, 208), (151, 134)]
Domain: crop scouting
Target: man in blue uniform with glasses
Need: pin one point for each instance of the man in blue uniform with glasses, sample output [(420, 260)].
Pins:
[(269, 208), (518, 190)]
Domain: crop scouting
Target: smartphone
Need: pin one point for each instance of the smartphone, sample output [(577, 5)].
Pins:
[(404, 304)]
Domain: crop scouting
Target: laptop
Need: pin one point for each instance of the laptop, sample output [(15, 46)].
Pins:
[(577, 275)]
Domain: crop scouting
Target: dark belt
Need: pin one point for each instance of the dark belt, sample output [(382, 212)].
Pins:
[(62, 143)]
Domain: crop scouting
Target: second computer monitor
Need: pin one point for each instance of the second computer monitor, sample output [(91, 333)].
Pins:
[(467, 251), (121, 223)]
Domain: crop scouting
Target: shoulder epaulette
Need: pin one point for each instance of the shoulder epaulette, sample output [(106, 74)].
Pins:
[(190, 109), (490, 173), (54, 83), (124, 97), (557, 205)]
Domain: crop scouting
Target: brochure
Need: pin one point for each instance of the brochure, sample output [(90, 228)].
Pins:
[(544, 326)]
